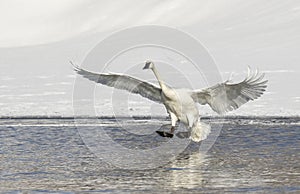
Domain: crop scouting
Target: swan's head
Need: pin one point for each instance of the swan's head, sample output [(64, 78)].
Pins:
[(149, 65)]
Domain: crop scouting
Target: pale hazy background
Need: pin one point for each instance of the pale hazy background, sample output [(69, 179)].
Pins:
[(38, 38)]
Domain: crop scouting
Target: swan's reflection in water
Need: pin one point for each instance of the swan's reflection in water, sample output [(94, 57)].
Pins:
[(185, 172), (197, 171)]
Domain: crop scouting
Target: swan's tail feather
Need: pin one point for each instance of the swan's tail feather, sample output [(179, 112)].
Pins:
[(200, 131)]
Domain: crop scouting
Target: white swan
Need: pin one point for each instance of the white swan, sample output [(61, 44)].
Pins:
[(181, 103)]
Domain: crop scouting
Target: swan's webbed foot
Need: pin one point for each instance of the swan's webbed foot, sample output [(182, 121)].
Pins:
[(167, 134), (183, 135)]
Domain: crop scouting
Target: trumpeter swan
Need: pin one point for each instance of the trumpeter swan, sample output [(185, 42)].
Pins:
[(181, 103)]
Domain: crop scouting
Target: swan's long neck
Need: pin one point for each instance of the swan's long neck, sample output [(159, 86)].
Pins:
[(157, 75), (167, 91)]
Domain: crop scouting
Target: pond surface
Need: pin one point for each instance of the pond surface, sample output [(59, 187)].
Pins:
[(56, 155)]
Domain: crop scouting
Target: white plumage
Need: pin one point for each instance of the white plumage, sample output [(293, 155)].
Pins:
[(181, 103)]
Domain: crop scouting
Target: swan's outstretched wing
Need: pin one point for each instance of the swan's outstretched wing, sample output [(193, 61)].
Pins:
[(225, 97), (123, 82)]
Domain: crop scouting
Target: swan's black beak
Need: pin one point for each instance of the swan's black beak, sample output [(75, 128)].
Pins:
[(147, 65)]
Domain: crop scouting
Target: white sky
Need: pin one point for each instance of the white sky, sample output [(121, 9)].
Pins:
[(35, 22), (38, 38)]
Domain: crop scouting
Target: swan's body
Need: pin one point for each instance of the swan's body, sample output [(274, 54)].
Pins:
[(181, 103), (181, 107)]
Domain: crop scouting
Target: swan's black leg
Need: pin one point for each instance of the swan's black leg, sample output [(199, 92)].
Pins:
[(172, 129)]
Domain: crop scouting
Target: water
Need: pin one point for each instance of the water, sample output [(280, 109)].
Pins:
[(250, 155)]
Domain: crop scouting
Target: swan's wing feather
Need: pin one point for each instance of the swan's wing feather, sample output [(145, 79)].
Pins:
[(226, 97), (123, 82)]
